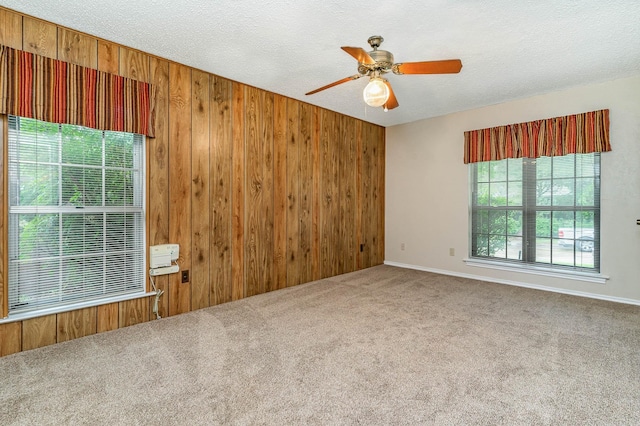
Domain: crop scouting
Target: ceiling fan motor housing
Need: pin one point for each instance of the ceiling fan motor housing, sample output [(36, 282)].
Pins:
[(384, 62)]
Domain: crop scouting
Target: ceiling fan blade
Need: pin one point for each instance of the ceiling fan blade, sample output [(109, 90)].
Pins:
[(360, 54), (335, 83), (449, 66), (392, 102)]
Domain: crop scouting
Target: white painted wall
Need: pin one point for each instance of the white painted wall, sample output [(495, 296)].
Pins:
[(427, 188)]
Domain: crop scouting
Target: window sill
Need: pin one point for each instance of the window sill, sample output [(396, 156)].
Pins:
[(538, 270), (74, 307)]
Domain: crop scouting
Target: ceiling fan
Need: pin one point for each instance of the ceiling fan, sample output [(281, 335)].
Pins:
[(376, 63)]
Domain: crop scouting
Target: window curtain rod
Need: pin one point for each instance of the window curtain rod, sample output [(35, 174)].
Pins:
[(572, 134), (35, 86)]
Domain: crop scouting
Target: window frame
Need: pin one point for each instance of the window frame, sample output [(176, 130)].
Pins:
[(529, 209), (138, 209)]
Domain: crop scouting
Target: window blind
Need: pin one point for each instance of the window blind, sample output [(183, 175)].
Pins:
[(76, 214)]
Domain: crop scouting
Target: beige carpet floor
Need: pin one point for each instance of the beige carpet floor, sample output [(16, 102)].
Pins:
[(381, 346)]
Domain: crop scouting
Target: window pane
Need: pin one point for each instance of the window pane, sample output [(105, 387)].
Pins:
[(515, 193), (514, 225), (543, 192), (543, 224), (498, 170), (498, 194), (82, 233), (514, 248), (543, 167), (585, 191), (562, 220), (483, 194), (35, 282), (72, 234), (585, 219), (498, 222), (498, 246), (81, 186), (38, 236), (37, 185), (119, 188), (481, 245), (35, 145), (483, 171), (563, 192), (564, 166), (119, 149), (543, 250), (584, 256), (514, 166), (81, 146), (481, 222), (115, 232), (585, 165)]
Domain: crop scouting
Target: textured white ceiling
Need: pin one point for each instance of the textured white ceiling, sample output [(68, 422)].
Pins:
[(509, 49)]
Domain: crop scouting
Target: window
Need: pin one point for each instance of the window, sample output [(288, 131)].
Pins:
[(76, 217), (543, 211)]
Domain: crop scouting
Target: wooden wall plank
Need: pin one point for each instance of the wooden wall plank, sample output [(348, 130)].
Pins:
[(40, 37), (359, 195), (77, 48), (78, 323), (305, 193), (365, 209), (253, 195), (373, 175), (329, 146), (38, 332), (267, 240), (293, 191), (158, 172), (316, 266), (10, 29), (200, 197), (220, 175), (109, 58), (10, 338), (107, 317), (132, 312), (280, 192), (335, 150), (348, 247), (179, 182), (134, 64), (238, 195)]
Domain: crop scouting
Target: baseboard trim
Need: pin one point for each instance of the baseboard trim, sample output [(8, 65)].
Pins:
[(516, 283)]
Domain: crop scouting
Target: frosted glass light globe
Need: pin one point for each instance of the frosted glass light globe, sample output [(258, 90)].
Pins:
[(376, 93)]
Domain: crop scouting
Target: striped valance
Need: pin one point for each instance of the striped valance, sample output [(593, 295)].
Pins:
[(47, 89), (571, 134)]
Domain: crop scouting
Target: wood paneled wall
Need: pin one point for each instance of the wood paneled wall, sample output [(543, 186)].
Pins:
[(261, 192)]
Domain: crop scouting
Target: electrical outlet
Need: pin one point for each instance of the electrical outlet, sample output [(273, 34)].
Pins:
[(185, 276), (402, 246), (452, 252)]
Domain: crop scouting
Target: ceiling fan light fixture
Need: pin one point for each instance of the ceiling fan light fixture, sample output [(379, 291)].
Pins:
[(376, 93)]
